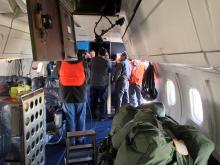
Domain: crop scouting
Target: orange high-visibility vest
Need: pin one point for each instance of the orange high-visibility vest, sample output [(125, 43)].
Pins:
[(72, 74), (137, 73)]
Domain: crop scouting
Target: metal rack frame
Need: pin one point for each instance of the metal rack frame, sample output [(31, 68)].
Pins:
[(33, 119)]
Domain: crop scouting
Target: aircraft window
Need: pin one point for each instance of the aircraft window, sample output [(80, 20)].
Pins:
[(39, 67), (196, 106), (171, 94)]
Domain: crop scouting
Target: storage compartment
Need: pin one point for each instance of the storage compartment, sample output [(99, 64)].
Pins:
[(68, 31)]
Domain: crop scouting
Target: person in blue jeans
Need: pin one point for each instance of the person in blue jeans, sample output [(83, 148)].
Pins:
[(72, 77)]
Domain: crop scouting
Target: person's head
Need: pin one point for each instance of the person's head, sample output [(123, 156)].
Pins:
[(81, 54), (102, 52), (87, 56), (113, 57), (135, 62), (92, 53), (123, 56)]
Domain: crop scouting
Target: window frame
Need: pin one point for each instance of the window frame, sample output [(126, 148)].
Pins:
[(197, 112), (170, 92)]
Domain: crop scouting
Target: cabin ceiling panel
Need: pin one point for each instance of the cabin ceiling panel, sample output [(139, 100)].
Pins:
[(4, 31), (206, 17), (127, 9), (21, 24), (139, 44), (5, 20), (5, 6), (214, 9), (143, 12), (18, 43), (129, 45), (169, 31), (128, 6), (196, 59)]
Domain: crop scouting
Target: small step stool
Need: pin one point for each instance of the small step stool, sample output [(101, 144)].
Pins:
[(83, 153)]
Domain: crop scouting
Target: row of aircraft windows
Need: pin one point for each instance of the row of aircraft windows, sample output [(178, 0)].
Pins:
[(195, 101)]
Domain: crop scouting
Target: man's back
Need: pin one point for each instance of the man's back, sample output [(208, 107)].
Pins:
[(123, 72), (100, 68), (72, 93)]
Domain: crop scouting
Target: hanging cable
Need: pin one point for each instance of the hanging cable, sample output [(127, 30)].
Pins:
[(108, 20), (98, 37), (97, 25), (60, 138)]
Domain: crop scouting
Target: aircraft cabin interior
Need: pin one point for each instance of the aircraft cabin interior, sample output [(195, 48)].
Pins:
[(109, 82)]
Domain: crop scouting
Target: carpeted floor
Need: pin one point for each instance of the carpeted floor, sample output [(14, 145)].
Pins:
[(55, 153)]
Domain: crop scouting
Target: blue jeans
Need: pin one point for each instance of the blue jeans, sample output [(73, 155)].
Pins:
[(75, 116), (99, 93), (135, 94), (88, 102)]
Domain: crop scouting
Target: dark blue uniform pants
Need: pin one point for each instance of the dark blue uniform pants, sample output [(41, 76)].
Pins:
[(121, 94), (99, 94)]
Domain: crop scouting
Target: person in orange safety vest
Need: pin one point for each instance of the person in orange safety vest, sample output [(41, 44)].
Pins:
[(73, 77), (137, 72)]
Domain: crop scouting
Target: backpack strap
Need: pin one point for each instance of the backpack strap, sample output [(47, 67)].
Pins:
[(178, 144)]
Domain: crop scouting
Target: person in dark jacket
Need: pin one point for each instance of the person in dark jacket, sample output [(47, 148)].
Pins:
[(100, 69), (72, 77), (121, 80)]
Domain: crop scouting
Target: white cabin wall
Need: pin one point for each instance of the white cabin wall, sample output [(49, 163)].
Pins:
[(207, 83), (183, 37), (9, 69), (175, 31)]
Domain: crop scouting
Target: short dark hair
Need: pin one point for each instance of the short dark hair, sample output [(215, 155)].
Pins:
[(102, 51), (125, 54)]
